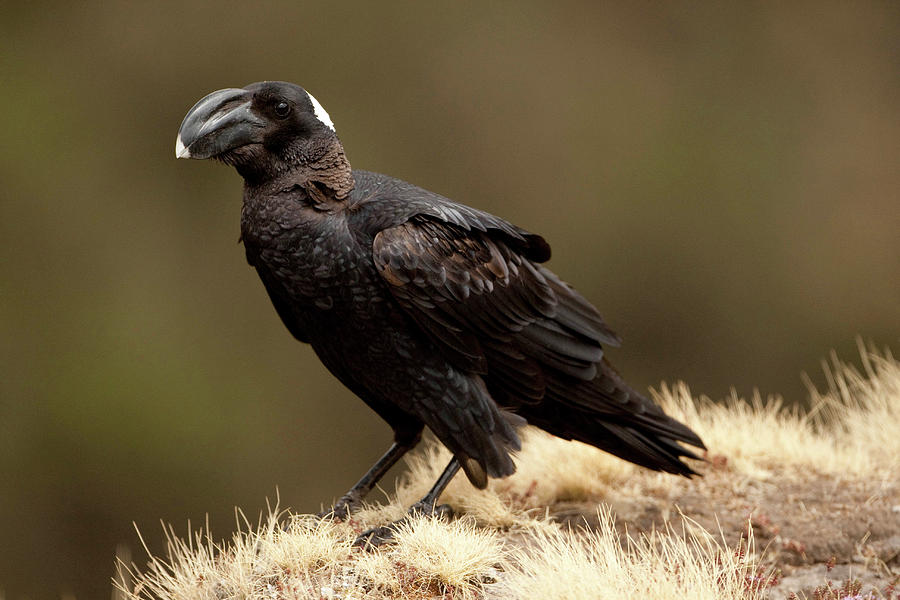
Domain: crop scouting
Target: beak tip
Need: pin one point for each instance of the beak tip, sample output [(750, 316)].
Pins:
[(181, 150)]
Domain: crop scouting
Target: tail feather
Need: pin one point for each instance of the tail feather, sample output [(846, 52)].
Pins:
[(658, 454), (608, 414)]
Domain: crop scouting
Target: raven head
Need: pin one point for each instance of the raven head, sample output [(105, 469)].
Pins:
[(264, 130)]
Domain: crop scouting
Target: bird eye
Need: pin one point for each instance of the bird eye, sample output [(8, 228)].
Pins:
[(282, 109)]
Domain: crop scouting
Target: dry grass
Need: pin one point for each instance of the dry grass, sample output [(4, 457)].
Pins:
[(851, 430), (548, 531), (689, 563), (433, 559)]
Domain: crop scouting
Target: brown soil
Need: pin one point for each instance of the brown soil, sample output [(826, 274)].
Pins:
[(804, 524)]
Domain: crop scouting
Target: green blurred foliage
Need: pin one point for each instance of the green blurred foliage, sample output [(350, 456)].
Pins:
[(721, 179)]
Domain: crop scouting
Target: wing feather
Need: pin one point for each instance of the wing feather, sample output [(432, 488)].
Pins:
[(473, 293)]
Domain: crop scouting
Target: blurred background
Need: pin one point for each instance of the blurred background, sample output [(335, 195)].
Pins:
[(721, 180)]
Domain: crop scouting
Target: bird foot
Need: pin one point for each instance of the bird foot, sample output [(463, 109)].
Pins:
[(375, 537), (341, 509)]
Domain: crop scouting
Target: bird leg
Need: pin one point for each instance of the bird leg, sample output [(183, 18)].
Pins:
[(427, 506), (353, 498)]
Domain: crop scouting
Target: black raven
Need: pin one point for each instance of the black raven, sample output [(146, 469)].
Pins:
[(432, 312)]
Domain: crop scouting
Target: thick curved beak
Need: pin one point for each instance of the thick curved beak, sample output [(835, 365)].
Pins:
[(219, 122)]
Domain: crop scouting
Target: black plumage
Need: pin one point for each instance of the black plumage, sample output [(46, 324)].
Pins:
[(432, 312)]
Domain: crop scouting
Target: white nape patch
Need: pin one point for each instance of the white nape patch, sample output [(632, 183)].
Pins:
[(180, 150), (320, 112)]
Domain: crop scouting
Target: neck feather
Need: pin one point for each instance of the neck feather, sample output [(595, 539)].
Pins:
[(322, 170)]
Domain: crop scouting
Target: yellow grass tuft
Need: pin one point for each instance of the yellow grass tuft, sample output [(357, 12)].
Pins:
[(453, 558), (689, 563), (433, 559), (850, 431)]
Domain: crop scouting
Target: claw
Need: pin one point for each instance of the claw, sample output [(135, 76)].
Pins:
[(438, 511), (373, 538), (341, 509), (377, 536)]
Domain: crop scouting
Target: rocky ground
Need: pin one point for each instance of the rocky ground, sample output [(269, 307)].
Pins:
[(813, 527)]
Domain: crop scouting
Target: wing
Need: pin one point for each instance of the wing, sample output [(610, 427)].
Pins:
[(490, 308), (475, 286)]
